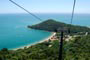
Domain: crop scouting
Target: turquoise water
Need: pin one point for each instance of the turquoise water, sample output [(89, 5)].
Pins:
[(14, 32)]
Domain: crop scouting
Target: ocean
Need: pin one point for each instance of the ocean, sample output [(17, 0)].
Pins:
[(14, 32)]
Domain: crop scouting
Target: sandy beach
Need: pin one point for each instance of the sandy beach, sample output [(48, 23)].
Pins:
[(27, 46)]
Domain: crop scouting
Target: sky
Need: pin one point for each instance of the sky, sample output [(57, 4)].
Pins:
[(45, 6)]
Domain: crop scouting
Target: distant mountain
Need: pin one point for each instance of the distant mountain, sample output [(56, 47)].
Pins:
[(52, 25)]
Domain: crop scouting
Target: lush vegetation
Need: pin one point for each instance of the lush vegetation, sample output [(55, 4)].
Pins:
[(52, 25), (77, 49)]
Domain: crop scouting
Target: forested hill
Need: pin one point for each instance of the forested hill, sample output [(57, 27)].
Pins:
[(52, 25)]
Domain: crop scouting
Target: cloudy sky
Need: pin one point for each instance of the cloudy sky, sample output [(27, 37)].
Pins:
[(45, 6)]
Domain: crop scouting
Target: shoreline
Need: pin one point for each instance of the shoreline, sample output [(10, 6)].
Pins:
[(29, 45)]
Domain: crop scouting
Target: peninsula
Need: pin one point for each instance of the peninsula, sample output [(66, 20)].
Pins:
[(51, 25)]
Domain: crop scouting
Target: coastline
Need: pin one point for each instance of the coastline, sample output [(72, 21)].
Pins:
[(29, 45)]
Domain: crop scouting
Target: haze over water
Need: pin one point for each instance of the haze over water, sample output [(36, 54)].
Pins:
[(14, 32)]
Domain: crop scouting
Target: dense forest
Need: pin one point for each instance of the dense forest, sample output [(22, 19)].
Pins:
[(52, 25), (77, 49)]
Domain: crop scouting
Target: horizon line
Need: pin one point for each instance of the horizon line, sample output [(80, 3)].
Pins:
[(45, 13)]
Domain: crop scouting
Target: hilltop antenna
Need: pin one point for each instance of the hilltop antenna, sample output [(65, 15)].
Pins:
[(26, 10)]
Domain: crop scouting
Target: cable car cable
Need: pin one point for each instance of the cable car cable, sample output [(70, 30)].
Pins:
[(73, 11), (26, 10)]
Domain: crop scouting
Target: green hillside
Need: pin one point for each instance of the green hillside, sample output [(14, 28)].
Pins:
[(52, 25)]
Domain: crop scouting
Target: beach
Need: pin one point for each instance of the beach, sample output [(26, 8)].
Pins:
[(47, 39), (29, 45)]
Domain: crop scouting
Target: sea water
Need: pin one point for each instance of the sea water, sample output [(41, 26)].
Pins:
[(14, 32)]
